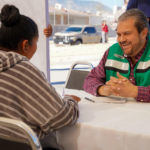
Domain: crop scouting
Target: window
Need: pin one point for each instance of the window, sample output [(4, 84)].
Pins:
[(92, 30), (74, 29), (87, 30)]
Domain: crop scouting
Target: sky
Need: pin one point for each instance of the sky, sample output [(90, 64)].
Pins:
[(110, 3)]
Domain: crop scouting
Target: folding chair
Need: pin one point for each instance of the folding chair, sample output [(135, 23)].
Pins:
[(76, 77), (9, 143)]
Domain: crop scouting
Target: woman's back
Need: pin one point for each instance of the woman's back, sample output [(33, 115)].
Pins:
[(25, 94)]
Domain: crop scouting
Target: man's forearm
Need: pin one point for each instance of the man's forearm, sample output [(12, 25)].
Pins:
[(97, 77), (91, 85)]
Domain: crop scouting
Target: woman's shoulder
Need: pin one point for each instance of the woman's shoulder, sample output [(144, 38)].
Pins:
[(31, 69)]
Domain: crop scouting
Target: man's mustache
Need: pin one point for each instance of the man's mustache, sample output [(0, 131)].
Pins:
[(122, 43)]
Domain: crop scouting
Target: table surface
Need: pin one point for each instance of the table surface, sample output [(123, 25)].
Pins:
[(107, 126)]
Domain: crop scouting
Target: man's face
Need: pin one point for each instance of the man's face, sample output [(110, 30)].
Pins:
[(130, 41)]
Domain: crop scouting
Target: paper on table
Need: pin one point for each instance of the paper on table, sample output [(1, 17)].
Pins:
[(63, 93), (109, 99)]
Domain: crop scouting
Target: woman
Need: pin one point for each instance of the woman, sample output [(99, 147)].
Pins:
[(104, 31), (25, 94)]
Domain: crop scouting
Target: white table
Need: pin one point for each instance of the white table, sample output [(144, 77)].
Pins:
[(106, 126)]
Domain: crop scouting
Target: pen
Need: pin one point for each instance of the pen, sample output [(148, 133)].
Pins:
[(89, 99)]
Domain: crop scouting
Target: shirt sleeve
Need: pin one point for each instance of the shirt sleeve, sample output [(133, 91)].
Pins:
[(143, 94), (142, 5), (132, 4), (97, 77), (66, 112), (49, 112)]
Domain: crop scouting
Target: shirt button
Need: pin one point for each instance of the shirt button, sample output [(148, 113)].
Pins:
[(141, 100), (131, 79)]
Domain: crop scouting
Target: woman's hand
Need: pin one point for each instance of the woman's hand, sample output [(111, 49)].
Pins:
[(77, 99)]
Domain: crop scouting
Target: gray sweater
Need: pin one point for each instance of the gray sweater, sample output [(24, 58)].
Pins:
[(26, 95)]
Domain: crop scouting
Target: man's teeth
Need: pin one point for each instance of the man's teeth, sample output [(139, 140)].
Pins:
[(126, 45)]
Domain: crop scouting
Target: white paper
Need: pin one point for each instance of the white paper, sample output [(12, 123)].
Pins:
[(109, 99)]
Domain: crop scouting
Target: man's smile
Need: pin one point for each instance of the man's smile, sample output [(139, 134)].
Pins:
[(124, 46)]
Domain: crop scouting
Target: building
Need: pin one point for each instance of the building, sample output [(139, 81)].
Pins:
[(61, 18), (64, 16)]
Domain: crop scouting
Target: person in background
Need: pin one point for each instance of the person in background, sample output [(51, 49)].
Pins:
[(143, 5), (124, 69), (104, 32), (114, 22), (25, 94)]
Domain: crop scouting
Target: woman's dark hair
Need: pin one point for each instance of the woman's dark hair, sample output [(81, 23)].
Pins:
[(15, 28)]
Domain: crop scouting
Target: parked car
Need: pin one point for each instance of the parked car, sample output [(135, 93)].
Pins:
[(77, 35)]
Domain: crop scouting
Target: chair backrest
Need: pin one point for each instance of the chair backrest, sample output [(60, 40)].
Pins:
[(9, 143), (76, 78)]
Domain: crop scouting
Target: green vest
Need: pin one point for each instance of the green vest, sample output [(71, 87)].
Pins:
[(117, 63)]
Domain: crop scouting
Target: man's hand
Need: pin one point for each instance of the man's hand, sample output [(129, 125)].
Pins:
[(122, 86), (104, 90), (48, 31), (111, 86), (77, 99)]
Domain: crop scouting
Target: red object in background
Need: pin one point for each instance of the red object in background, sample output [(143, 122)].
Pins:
[(105, 29)]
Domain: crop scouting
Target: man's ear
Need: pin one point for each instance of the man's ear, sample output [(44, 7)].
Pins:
[(25, 45), (144, 33)]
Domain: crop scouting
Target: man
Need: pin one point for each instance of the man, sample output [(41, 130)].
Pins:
[(124, 68), (114, 22), (143, 5)]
